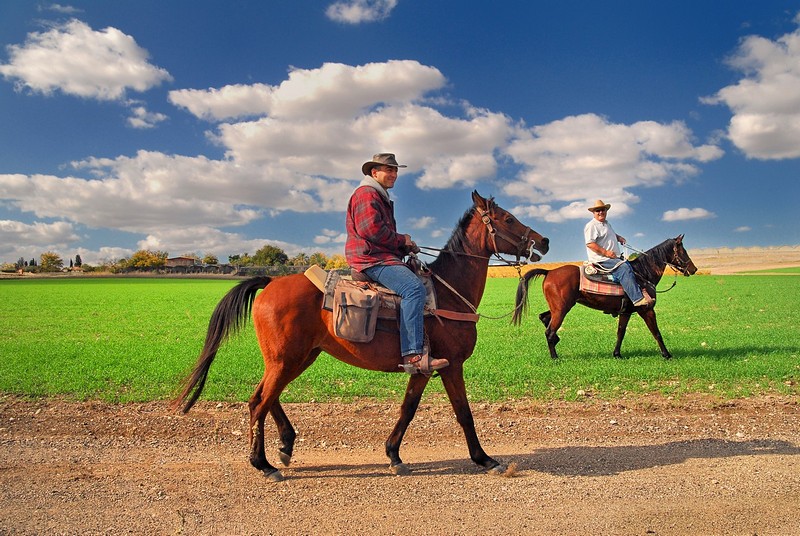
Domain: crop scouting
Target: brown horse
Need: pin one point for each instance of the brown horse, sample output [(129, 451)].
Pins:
[(561, 288), (293, 329)]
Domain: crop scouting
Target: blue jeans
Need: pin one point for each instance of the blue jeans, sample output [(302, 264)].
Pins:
[(404, 282), (625, 277)]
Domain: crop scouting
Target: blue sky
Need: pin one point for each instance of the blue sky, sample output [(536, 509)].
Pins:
[(218, 127)]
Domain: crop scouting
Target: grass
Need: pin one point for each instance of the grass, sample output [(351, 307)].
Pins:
[(134, 339)]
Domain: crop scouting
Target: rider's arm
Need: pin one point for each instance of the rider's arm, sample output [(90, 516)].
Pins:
[(594, 246)]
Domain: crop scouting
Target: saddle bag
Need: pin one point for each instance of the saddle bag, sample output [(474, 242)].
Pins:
[(355, 313)]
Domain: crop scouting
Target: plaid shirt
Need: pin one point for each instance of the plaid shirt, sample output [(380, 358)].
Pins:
[(372, 236)]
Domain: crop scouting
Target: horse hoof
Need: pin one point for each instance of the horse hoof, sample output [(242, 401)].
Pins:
[(400, 469), (286, 459), (274, 476), (497, 470), (504, 471)]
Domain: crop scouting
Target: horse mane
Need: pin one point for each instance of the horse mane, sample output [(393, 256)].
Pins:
[(455, 244), (650, 266)]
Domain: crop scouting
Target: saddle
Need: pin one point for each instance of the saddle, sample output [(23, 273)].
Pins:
[(596, 280), (599, 281), (357, 302)]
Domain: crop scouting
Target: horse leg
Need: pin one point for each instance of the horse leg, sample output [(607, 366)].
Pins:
[(453, 380), (285, 431), (649, 316), (554, 323), (622, 326), (544, 318), (416, 386)]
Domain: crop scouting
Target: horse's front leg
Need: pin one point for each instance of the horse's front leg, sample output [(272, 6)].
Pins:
[(649, 316), (622, 326), (416, 386), (453, 380)]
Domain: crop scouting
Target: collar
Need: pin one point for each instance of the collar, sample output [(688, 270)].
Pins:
[(372, 183)]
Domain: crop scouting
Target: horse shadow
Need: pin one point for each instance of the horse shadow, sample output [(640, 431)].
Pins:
[(570, 461), (609, 461)]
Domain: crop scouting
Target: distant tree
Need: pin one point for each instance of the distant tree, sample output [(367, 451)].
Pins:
[(78, 261), (301, 259), (210, 259), (234, 259), (336, 262), (71, 264), (318, 258), (144, 259), (20, 263), (32, 263), (270, 256), (51, 262)]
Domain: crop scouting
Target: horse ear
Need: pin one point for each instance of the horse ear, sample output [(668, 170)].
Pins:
[(478, 200), (679, 239)]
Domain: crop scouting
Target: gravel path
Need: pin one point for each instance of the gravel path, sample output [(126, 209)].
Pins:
[(646, 466)]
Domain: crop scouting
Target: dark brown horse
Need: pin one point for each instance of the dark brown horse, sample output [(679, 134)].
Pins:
[(561, 288), (293, 329)]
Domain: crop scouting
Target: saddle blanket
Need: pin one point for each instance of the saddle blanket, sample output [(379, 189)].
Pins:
[(598, 284)]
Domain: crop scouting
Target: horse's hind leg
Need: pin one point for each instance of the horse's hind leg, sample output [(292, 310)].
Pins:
[(285, 431), (544, 318), (622, 326), (258, 410), (414, 390), (649, 316)]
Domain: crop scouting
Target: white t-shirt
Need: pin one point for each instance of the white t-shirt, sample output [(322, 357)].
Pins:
[(603, 235)]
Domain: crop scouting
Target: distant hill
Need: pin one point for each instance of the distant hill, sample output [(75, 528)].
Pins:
[(708, 260)]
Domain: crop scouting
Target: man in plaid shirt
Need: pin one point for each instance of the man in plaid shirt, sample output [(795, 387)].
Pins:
[(375, 248)]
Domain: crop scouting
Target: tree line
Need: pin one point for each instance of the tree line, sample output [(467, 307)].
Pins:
[(148, 260)]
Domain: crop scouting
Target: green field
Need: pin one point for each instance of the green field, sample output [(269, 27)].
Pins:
[(134, 339)]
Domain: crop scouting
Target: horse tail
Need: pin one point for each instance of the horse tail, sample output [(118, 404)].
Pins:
[(227, 319), (521, 303)]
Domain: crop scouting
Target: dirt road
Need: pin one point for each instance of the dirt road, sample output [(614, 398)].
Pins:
[(645, 466)]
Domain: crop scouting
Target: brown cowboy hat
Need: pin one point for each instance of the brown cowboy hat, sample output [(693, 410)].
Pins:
[(599, 205), (380, 159)]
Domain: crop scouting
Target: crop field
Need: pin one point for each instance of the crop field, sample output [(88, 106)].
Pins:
[(124, 340)]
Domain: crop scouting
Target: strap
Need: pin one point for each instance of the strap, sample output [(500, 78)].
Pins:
[(455, 315)]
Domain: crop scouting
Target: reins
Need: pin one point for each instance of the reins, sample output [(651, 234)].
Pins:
[(466, 301), (493, 232), (675, 268)]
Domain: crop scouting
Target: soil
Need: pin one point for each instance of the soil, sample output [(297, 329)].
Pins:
[(643, 466)]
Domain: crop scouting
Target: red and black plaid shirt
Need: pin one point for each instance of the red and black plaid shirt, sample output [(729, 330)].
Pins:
[(372, 236)]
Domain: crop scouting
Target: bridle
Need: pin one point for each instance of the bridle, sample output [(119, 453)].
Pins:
[(674, 263), (521, 245)]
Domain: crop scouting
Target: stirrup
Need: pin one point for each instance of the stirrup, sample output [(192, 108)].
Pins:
[(422, 364), (646, 300)]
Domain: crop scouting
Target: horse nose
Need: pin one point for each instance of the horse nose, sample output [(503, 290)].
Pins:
[(545, 244)]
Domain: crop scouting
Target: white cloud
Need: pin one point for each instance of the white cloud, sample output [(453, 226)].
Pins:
[(682, 214), (76, 60), (743, 229), (582, 158), (422, 222), (331, 236), (228, 102), (358, 11), (35, 238), (141, 118), (58, 8), (766, 102), (334, 91)]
